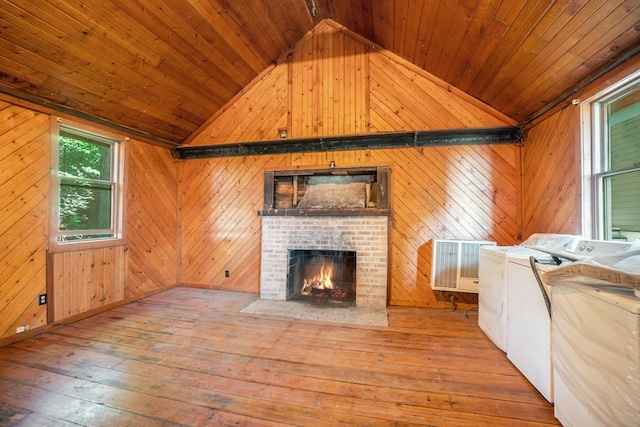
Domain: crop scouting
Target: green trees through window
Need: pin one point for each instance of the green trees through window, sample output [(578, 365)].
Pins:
[(86, 187)]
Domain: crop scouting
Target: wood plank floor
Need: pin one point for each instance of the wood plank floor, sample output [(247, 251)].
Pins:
[(188, 357)]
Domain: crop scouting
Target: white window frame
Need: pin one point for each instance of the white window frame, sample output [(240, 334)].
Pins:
[(118, 143), (595, 157)]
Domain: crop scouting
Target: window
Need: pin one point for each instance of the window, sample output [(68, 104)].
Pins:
[(88, 186), (614, 154)]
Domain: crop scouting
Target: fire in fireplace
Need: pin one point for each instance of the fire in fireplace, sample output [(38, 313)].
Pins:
[(322, 276)]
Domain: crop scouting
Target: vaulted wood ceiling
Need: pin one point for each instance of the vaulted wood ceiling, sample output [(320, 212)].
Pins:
[(163, 67)]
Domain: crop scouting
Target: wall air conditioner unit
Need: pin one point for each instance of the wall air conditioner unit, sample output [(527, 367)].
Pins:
[(454, 266)]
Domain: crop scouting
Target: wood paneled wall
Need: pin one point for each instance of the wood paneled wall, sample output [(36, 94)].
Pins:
[(152, 212), (190, 221), (220, 226), (86, 280), (552, 164), (406, 97), (329, 84), (551, 175), (83, 280), (255, 114), (24, 222), (337, 84)]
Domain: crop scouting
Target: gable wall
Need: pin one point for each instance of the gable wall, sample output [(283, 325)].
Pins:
[(335, 83)]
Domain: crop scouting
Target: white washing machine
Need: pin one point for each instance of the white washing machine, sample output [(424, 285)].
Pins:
[(595, 342), (492, 274), (492, 291), (529, 323)]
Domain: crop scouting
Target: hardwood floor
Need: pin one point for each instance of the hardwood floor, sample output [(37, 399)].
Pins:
[(188, 357)]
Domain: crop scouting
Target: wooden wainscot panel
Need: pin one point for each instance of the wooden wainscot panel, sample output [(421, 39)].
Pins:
[(85, 280)]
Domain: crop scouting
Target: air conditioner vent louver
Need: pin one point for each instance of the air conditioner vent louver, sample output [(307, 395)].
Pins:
[(447, 266), (469, 256), (455, 264)]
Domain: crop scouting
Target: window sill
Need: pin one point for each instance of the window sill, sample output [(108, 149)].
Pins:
[(57, 247)]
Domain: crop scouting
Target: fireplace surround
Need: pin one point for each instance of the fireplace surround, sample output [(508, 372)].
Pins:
[(367, 236), (332, 209)]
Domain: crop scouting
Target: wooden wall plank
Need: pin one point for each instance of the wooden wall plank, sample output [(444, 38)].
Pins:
[(257, 114), (24, 201), (108, 276), (551, 156), (152, 220), (436, 105), (339, 87), (329, 85), (222, 231)]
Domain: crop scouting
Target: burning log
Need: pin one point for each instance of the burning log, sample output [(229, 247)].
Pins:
[(319, 284), (321, 281)]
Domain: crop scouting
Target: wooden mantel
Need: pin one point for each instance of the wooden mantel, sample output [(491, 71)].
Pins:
[(283, 189)]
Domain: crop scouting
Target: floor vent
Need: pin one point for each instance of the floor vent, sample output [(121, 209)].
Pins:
[(455, 265)]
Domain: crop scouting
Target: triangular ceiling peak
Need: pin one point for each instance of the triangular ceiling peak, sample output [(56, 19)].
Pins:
[(334, 82)]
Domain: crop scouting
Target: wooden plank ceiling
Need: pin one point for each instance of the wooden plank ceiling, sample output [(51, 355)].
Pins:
[(162, 67)]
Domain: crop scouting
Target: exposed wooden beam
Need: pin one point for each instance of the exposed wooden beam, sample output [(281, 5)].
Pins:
[(405, 139)]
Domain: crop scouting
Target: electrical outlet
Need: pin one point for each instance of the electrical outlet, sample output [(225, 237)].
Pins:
[(42, 299), (226, 273)]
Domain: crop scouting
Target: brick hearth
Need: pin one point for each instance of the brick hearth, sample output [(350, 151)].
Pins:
[(366, 235)]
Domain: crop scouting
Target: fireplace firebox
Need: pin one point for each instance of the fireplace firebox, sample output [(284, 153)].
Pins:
[(322, 276)]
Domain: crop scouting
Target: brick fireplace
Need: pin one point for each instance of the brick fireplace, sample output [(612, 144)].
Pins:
[(367, 236)]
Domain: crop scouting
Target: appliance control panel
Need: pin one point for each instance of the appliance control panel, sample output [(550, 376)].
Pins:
[(594, 248), (585, 249)]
